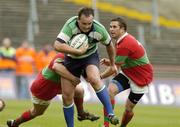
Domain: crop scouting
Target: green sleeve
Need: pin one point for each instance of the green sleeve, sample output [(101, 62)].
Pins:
[(102, 33), (58, 60), (67, 30), (120, 59), (105, 37), (65, 34)]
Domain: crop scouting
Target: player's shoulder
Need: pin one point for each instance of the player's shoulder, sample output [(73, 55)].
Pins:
[(60, 55), (129, 39), (126, 41), (131, 43), (98, 25), (71, 21), (58, 58), (99, 28)]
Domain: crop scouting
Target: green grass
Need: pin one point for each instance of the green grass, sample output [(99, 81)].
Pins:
[(145, 116)]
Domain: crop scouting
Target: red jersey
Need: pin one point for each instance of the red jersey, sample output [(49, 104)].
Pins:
[(133, 59), (47, 83)]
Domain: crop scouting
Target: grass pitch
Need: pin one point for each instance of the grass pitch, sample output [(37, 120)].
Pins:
[(145, 116)]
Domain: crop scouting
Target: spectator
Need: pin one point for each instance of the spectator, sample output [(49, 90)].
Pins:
[(7, 56), (25, 56), (44, 56)]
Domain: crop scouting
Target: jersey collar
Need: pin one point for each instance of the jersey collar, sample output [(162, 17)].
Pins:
[(120, 38)]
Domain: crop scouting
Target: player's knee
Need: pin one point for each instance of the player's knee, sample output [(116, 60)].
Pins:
[(129, 105), (129, 108), (67, 100), (79, 91), (111, 91), (67, 94), (94, 81)]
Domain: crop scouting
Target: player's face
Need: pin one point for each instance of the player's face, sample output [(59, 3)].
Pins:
[(85, 23), (115, 30)]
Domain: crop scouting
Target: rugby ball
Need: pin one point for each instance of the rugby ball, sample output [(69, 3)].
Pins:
[(78, 40), (2, 104)]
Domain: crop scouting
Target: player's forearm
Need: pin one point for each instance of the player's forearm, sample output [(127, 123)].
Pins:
[(108, 72), (111, 53), (62, 47), (61, 70)]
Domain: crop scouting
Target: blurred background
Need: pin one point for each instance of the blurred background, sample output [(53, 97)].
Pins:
[(28, 29)]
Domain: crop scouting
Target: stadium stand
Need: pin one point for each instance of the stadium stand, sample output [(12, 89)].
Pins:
[(14, 15)]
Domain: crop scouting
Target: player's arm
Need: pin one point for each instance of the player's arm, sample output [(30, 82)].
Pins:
[(111, 53), (61, 70), (119, 60), (106, 40), (109, 72), (105, 61), (60, 46), (61, 43)]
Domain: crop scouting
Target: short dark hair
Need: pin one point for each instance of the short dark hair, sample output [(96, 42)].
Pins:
[(85, 11), (121, 21)]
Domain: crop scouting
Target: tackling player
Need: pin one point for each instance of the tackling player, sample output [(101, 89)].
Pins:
[(46, 86), (137, 72)]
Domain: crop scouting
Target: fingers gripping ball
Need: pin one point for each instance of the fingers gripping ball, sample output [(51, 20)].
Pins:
[(79, 40), (2, 104)]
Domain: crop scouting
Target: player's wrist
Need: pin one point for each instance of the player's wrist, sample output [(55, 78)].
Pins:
[(112, 62)]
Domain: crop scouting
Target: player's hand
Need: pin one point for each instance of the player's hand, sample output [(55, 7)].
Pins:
[(76, 81), (114, 69), (105, 61), (83, 49)]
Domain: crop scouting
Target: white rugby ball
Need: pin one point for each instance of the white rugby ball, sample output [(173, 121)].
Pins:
[(78, 40), (2, 105)]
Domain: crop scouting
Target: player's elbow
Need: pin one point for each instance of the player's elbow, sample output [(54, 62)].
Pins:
[(58, 68), (55, 67), (57, 45)]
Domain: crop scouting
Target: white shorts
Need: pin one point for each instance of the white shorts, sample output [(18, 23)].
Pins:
[(36, 100), (135, 88)]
